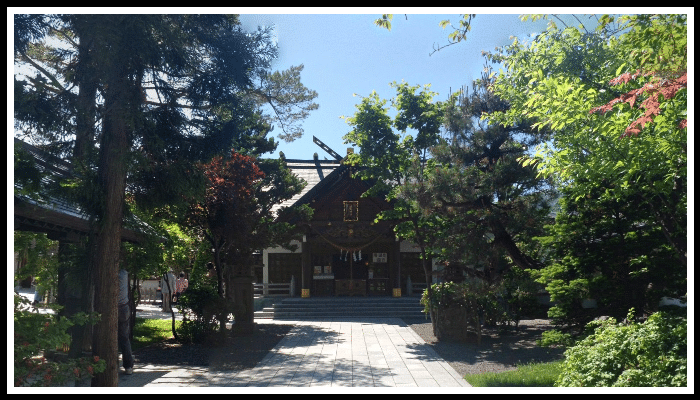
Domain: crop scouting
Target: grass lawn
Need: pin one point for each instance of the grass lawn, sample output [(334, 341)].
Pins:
[(150, 331), (529, 375)]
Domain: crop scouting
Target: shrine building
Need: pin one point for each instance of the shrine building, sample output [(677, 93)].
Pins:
[(343, 252)]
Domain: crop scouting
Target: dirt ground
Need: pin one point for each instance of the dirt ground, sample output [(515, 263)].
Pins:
[(499, 350)]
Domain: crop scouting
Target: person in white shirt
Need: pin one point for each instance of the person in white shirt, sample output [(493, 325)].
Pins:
[(167, 286)]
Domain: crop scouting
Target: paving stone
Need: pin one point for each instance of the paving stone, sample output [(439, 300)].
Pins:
[(361, 353)]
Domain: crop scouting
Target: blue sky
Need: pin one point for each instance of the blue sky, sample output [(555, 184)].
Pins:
[(345, 54)]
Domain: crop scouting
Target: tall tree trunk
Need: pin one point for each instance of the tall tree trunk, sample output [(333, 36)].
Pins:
[(86, 111), (86, 106), (427, 269), (219, 268), (105, 261)]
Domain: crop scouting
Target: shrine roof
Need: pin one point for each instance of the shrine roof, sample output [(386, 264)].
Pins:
[(313, 172)]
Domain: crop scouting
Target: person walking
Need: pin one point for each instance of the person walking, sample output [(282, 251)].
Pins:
[(124, 323)]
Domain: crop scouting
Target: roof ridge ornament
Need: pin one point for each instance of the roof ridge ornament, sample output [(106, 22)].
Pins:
[(327, 149)]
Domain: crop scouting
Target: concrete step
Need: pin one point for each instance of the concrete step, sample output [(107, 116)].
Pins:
[(338, 307)]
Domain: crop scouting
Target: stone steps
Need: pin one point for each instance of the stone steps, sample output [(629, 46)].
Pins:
[(344, 307)]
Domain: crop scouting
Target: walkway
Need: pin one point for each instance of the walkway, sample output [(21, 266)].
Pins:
[(355, 352), (371, 352)]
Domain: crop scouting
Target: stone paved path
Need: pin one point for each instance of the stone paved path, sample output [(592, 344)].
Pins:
[(377, 352)]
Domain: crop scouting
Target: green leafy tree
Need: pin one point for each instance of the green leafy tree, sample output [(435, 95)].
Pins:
[(598, 246), (392, 154), (615, 102), (162, 88), (236, 216), (491, 205)]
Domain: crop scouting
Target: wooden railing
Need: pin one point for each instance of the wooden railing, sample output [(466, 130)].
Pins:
[(274, 289), (149, 295), (415, 288)]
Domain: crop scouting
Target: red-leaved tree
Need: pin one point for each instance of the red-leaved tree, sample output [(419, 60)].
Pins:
[(667, 88), (224, 216), (238, 215)]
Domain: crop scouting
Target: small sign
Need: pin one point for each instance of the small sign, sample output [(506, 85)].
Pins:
[(379, 257), (350, 212)]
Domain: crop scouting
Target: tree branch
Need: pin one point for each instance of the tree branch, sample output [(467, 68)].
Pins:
[(52, 78)]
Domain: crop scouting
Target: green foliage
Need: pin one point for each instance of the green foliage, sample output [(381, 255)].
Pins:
[(443, 296), (200, 305), (555, 338), (385, 21), (623, 216), (385, 153), (27, 177), (290, 100), (561, 76), (493, 304), (599, 245), (36, 336), (653, 353), (519, 291), (460, 32), (488, 205), (37, 258)]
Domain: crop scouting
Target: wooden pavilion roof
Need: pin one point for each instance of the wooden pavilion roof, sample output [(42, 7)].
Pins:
[(58, 217)]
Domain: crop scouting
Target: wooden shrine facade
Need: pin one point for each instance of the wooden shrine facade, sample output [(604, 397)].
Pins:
[(344, 252)]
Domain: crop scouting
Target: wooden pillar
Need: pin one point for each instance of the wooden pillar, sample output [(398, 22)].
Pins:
[(306, 267), (396, 279)]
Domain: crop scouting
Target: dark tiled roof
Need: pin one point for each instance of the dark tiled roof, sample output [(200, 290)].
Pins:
[(53, 170), (49, 212)]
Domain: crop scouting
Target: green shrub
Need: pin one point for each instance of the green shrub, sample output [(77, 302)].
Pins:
[(518, 291), (443, 296), (653, 353), (500, 304), (36, 336), (555, 338), (200, 307)]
